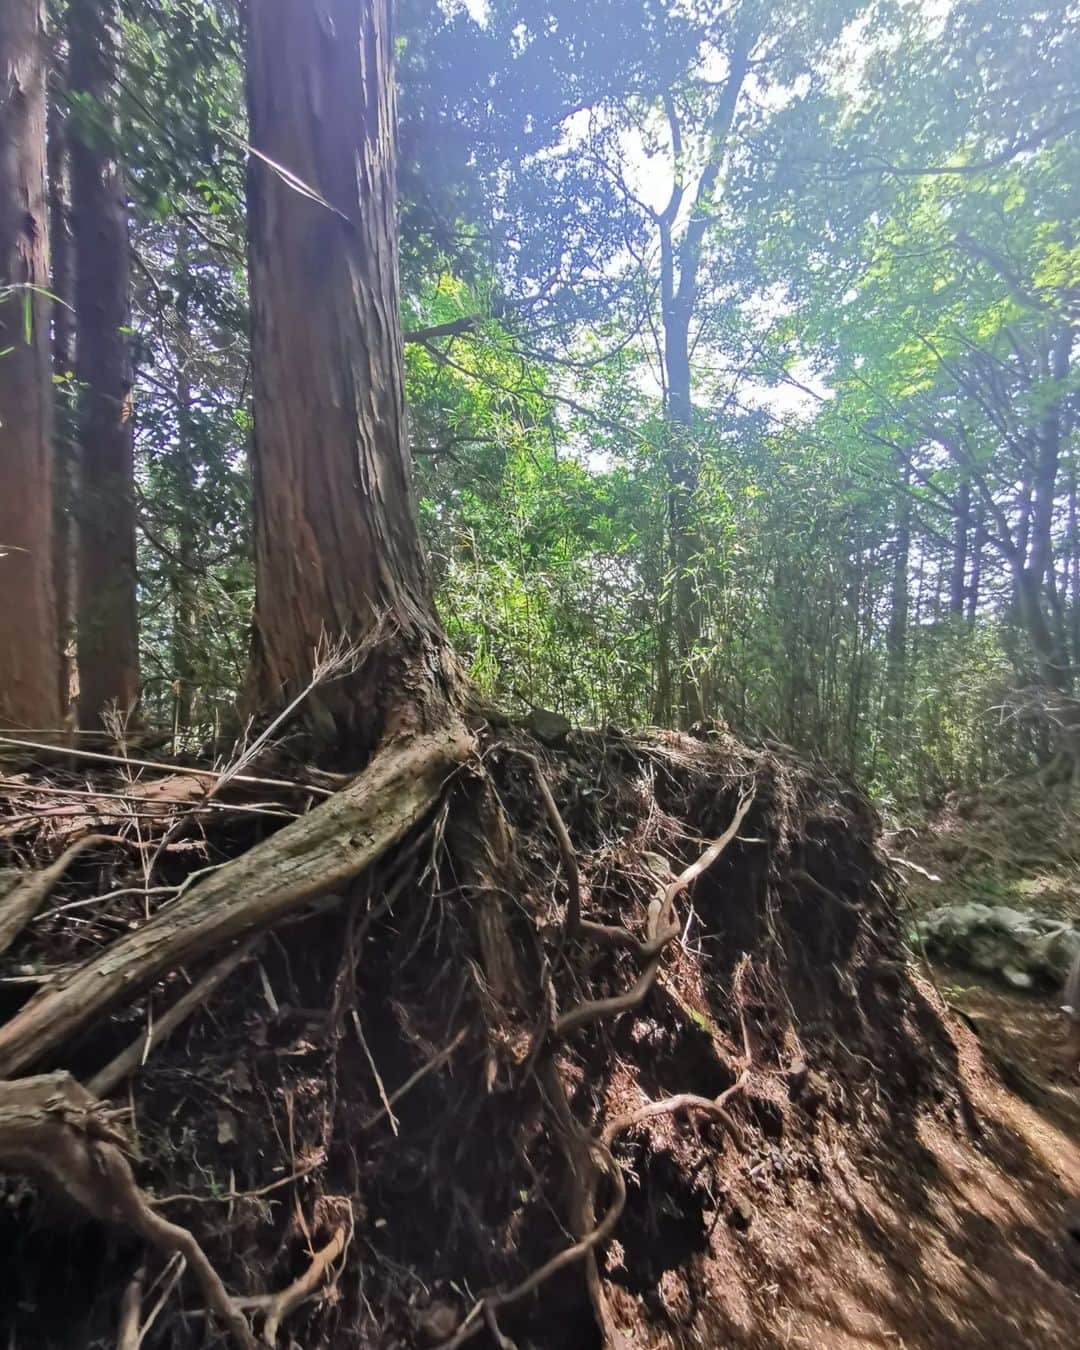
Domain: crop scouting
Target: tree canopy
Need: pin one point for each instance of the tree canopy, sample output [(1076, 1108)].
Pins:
[(739, 360)]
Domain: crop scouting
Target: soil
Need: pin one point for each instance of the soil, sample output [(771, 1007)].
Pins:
[(893, 1164), (952, 1234)]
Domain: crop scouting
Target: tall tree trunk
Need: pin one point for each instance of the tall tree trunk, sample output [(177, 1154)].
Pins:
[(680, 267), (683, 535), (338, 552), (977, 547), (1072, 588), (108, 651), (65, 487), (896, 637), (184, 575), (29, 638), (1034, 568), (961, 530)]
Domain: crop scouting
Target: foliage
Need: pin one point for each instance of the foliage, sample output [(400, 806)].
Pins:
[(882, 342)]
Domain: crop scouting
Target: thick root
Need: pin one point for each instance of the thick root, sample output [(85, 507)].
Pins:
[(52, 1129), (328, 846)]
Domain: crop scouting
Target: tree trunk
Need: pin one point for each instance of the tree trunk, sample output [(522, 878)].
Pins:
[(29, 638), (680, 267), (108, 653), (961, 529), (896, 637), (184, 640), (337, 546), (1072, 589), (682, 475), (65, 487), (975, 582)]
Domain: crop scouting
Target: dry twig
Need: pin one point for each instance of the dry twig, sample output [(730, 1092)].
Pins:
[(20, 905)]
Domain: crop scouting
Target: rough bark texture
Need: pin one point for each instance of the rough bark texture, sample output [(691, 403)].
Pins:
[(65, 486), (29, 642), (337, 545), (108, 655)]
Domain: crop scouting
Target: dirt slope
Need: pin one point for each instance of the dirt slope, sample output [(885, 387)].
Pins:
[(954, 1237), (813, 1147)]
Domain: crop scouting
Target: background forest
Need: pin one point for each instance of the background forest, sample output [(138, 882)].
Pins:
[(739, 349), (483, 486)]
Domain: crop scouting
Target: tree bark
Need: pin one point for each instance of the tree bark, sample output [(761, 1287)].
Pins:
[(29, 638), (975, 582), (184, 638), (65, 486), (338, 552), (108, 652), (896, 637), (961, 530)]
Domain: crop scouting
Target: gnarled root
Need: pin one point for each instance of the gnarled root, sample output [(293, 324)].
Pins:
[(589, 1157), (52, 1129), (328, 846)]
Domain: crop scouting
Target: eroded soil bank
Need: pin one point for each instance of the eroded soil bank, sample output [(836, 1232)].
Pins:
[(622, 1041)]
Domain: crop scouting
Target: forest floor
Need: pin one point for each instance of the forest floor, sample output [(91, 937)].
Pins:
[(950, 1237), (958, 1238), (818, 1141)]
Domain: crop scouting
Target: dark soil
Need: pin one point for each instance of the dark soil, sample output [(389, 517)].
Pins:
[(875, 1183)]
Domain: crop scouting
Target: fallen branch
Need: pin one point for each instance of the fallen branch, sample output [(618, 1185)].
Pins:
[(68, 752), (20, 905), (325, 848)]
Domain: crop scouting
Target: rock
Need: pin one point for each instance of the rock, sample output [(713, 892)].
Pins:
[(550, 727), (1023, 948)]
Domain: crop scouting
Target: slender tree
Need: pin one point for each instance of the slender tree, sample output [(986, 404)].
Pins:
[(108, 654), (29, 641), (680, 286)]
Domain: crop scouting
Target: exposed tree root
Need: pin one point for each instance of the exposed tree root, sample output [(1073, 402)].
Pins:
[(279, 1306), (580, 1149), (51, 1128), (541, 1060), (127, 1062), (660, 929), (129, 1333), (330, 845)]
